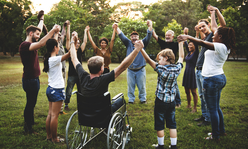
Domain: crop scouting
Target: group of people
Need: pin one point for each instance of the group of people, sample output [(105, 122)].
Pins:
[(209, 77)]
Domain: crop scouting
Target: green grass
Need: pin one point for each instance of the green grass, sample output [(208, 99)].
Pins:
[(233, 102)]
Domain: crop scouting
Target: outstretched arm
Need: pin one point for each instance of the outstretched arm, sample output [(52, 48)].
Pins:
[(41, 22), (129, 59), (67, 44), (206, 44), (154, 35), (113, 38), (90, 39), (42, 42), (73, 50), (85, 40), (148, 59)]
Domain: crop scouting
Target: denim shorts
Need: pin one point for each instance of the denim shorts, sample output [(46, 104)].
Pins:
[(164, 112), (54, 94)]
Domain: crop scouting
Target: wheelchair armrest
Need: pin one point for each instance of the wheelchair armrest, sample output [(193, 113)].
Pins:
[(117, 96), (74, 92)]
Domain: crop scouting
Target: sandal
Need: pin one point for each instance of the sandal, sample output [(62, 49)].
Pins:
[(60, 140)]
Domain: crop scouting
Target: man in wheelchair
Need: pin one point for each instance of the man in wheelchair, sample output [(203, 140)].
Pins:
[(92, 100)]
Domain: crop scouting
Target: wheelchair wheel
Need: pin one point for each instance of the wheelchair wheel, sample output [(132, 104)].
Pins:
[(73, 132), (115, 132)]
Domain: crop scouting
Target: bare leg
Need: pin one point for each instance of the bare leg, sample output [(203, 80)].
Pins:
[(48, 121), (195, 99), (54, 119), (187, 91), (160, 133)]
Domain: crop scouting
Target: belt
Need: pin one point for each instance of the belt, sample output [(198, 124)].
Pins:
[(198, 68), (136, 69)]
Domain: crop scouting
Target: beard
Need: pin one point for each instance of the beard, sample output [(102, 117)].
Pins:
[(34, 39)]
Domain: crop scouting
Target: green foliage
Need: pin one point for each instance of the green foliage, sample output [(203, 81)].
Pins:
[(177, 28), (234, 19), (185, 13), (12, 17)]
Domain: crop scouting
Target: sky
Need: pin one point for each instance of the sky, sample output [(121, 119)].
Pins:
[(46, 5)]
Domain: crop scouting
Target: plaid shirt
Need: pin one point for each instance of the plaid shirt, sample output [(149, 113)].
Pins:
[(167, 77)]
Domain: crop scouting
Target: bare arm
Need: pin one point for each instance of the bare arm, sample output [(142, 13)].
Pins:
[(112, 39), (85, 40), (65, 56), (91, 41), (40, 25), (206, 44), (118, 30), (67, 44), (129, 59), (42, 42), (154, 35), (219, 15), (148, 59), (73, 52), (181, 52)]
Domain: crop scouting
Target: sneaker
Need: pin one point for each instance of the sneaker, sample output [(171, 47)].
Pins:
[(173, 146), (61, 113), (211, 138), (200, 119), (143, 102), (157, 146), (204, 123)]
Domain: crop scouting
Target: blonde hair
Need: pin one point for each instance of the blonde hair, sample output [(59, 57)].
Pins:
[(167, 53)]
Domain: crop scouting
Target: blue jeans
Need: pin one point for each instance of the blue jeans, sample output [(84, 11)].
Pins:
[(199, 82), (31, 87), (139, 78), (177, 98), (71, 81), (212, 87)]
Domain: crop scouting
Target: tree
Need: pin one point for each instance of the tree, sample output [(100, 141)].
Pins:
[(127, 26), (13, 15), (234, 19)]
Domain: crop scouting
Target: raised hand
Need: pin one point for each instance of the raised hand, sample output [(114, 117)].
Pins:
[(139, 44), (87, 28), (56, 28), (182, 38), (197, 28), (149, 23), (211, 9), (67, 22), (185, 31), (115, 25)]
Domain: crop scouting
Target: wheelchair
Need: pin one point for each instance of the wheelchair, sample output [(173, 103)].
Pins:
[(96, 115)]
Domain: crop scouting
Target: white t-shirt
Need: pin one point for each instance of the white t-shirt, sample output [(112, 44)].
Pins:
[(214, 60), (55, 77)]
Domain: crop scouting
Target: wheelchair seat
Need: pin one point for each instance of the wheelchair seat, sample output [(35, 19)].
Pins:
[(94, 111)]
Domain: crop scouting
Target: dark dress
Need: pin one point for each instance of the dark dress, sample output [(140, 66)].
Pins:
[(189, 80)]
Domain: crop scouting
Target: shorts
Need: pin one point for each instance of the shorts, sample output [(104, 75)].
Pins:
[(164, 112), (54, 94)]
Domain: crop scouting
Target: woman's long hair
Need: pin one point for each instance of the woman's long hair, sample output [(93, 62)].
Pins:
[(50, 44), (228, 36)]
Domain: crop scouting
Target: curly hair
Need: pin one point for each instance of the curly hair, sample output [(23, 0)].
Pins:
[(228, 36), (103, 39)]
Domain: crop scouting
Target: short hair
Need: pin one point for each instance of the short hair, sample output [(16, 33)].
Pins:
[(167, 53), (95, 63), (134, 33), (32, 28), (203, 20), (171, 31), (103, 39)]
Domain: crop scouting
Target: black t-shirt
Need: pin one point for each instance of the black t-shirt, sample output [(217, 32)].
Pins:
[(171, 45), (71, 69), (96, 86)]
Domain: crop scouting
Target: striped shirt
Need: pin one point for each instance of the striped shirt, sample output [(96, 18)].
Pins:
[(167, 78)]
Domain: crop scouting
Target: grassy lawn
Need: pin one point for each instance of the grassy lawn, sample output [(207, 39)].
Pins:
[(234, 103)]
